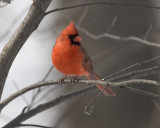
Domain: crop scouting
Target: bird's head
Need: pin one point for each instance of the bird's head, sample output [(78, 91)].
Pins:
[(71, 33)]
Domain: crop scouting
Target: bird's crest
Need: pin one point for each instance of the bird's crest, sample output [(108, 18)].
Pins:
[(70, 30)]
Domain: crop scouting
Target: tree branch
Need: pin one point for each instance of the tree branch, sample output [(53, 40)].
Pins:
[(11, 49), (137, 74), (103, 3), (131, 66), (34, 125), (119, 38), (24, 90), (38, 91), (42, 107), (107, 35), (127, 76), (6, 1)]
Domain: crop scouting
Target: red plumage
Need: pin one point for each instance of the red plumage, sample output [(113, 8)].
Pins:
[(70, 58)]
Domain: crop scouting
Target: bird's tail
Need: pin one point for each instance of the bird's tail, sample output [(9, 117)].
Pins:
[(107, 91)]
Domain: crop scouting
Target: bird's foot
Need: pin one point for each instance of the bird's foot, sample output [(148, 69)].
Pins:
[(62, 80), (74, 79)]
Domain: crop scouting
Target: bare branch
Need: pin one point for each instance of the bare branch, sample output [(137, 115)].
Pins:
[(132, 75), (89, 105), (134, 81), (50, 90), (34, 125), (24, 90), (45, 106), (11, 49), (104, 3), (112, 24), (81, 18), (47, 83), (137, 74), (8, 30), (119, 38), (131, 66), (156, 104), (89, 108), (42, 107), (146, 93), (6, 1), (38, 91), (23, 97), (5, 4), (148, 31)]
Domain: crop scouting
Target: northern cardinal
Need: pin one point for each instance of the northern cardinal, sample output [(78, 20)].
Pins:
[(70, 58)]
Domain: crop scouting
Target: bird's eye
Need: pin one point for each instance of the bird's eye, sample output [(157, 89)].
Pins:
[(70, 37)]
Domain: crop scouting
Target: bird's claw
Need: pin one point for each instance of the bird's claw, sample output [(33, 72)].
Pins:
[(74, 79), (62, 80)]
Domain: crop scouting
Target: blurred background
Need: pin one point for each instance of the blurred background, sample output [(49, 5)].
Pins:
[(33, 63)]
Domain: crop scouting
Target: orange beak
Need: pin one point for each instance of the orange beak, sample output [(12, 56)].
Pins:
[(77, 39)]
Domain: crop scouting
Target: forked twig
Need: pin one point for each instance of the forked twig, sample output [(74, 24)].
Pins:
[(91, 108)]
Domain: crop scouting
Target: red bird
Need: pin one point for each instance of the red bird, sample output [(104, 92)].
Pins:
[(70, 58)]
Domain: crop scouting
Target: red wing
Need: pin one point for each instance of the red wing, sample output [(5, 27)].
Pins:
[(87, 63)]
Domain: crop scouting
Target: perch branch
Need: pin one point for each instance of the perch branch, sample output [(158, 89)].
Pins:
[(47, 83), (42, 107), (127, 76)]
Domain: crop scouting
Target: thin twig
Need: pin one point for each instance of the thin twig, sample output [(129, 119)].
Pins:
[(38, 91), (82, 16), (129, 67), (122, 70), (148, 31), (33, 98), (145, 93), (23, 97), (105, 52), (24, 109), (34, 125), (16, 19), (112, 24), (104, 3), (46, 93), (137, 74), (91, 108), (156, 104), (119, 38), (48, 73)]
